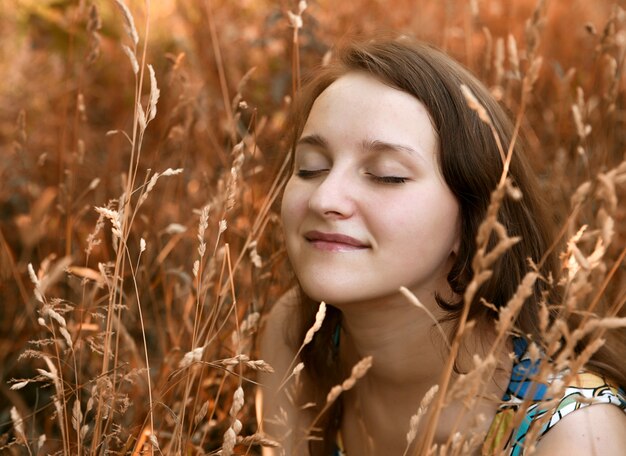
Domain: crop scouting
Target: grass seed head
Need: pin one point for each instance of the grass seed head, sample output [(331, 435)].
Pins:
[(18, 425), (319, 319), (129, 22)]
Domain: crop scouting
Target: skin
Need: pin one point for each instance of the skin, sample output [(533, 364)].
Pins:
[(597, 430), (367, 154), (366, 167)]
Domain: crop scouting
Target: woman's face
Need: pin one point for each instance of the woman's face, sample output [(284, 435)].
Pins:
[(366, 209)]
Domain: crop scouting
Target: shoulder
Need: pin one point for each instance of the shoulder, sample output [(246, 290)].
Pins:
[(275, 344), (590, 419), (276, 323), (276, 411), (597, 429)]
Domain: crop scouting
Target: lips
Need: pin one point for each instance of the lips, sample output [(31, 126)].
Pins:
[(334, 241)]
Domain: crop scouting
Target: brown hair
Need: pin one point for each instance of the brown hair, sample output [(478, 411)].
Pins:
[(470, 163)]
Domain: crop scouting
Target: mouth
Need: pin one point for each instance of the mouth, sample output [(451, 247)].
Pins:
[(334, 242)]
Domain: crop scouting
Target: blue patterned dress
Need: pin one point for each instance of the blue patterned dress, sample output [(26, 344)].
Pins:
[(584, 389)]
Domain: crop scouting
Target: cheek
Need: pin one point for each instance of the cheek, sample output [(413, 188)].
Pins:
[(425, 222), (291, 205)]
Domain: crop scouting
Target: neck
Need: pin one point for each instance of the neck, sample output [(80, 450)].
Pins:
[(406, 346), (409, 356)]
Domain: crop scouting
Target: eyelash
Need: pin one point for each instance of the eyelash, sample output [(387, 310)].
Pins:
[(309, 174), (388, 179)]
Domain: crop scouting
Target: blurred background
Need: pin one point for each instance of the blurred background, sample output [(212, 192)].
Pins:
[(226, 70)]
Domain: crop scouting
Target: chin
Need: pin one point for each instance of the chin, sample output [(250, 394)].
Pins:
[(323, 293), (338, 295), (319, 295)]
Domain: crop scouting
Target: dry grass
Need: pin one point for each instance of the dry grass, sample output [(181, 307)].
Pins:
[(141, 148)]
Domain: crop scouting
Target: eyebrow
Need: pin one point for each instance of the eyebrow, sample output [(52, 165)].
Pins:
[(313, 140), (373, 145), (381, 146)]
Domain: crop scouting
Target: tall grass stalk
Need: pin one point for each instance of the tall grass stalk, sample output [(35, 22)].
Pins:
[(123, 347)]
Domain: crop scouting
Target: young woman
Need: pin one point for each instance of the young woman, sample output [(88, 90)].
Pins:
[(392, 176)]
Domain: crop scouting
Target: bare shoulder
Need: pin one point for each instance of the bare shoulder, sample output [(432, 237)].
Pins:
[(276, 411), (275, 325), (597, 429)]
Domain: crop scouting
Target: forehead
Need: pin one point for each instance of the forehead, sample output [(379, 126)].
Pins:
[(365, 90), (358, 106)]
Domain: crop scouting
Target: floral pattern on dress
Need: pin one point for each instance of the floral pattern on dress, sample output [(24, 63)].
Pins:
[(584, 389)]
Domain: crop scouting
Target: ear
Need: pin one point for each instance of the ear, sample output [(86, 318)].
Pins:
[(457, 242), (454, 252), (456, 246)]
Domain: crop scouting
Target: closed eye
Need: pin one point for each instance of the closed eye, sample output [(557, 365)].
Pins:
[(388, 179), (309, 173)]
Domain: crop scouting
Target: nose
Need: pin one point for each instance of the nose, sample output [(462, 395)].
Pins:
[(333, 197)]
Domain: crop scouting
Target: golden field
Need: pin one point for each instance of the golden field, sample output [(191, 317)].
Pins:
[(140, 241)]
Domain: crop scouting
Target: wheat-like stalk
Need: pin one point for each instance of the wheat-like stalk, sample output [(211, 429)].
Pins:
[(123, 332)]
